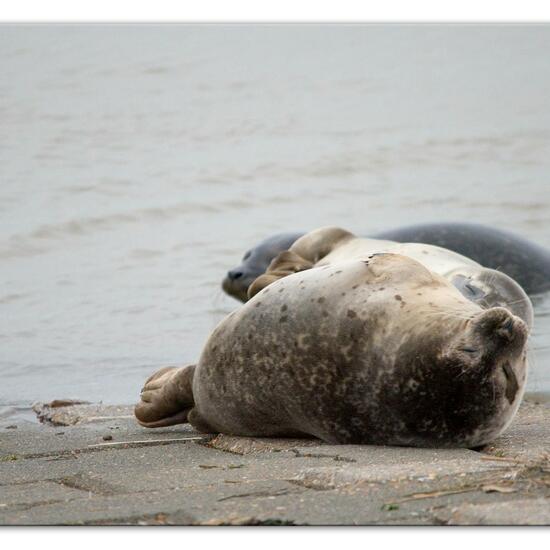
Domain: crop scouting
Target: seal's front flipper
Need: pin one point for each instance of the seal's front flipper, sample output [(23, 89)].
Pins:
[(316, 244), (260, 283), (284, 264), (288, 262), (166, 398)]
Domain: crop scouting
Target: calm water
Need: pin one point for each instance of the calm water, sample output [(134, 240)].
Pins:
[(137, 164)]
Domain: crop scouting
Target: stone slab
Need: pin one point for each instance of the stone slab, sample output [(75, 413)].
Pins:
[(103, 468)]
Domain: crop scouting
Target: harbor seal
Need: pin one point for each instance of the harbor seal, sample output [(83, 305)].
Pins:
[(523, 261), (376, 351), (255, 262), (331, 245)]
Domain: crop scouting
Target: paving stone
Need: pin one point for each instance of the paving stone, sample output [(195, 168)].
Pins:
[(249, 445), (516, 512), (528, 436), (71, 475), (33, 493)]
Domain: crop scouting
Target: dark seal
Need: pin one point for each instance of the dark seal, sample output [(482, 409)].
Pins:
[(255, 262), (525, 262)]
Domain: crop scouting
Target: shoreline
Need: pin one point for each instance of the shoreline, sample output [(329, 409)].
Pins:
[(94, 465), (26, 413)]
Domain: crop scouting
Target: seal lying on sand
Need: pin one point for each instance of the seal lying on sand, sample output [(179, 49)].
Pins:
[(525, 262), (379, 351), (331, 245)]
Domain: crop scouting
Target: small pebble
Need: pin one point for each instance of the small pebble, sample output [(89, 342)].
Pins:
[(11, 427), (107, 437)]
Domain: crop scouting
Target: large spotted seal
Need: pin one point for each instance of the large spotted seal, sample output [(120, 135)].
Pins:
[(331, 245), (380, 351), (523, 261)]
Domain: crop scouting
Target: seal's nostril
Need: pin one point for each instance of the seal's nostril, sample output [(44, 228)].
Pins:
[(233, 275), (506, 330)]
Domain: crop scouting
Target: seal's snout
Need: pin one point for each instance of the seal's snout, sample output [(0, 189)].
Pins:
[(236, 284), (506, 329), (502, 327), (234, 274)]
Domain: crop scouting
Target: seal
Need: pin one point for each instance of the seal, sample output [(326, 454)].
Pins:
[(375, 351), (255, 262), (331, 245), (523, 261)]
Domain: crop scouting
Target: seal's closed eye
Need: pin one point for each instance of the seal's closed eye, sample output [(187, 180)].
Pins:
[(465, 286), (512, 385)]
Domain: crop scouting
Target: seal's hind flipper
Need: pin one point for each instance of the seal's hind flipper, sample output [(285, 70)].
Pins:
[(178, 418), (166, 398)]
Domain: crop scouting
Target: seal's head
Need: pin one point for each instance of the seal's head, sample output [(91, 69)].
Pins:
[(491, 288), (254, 263), (455, 373)]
